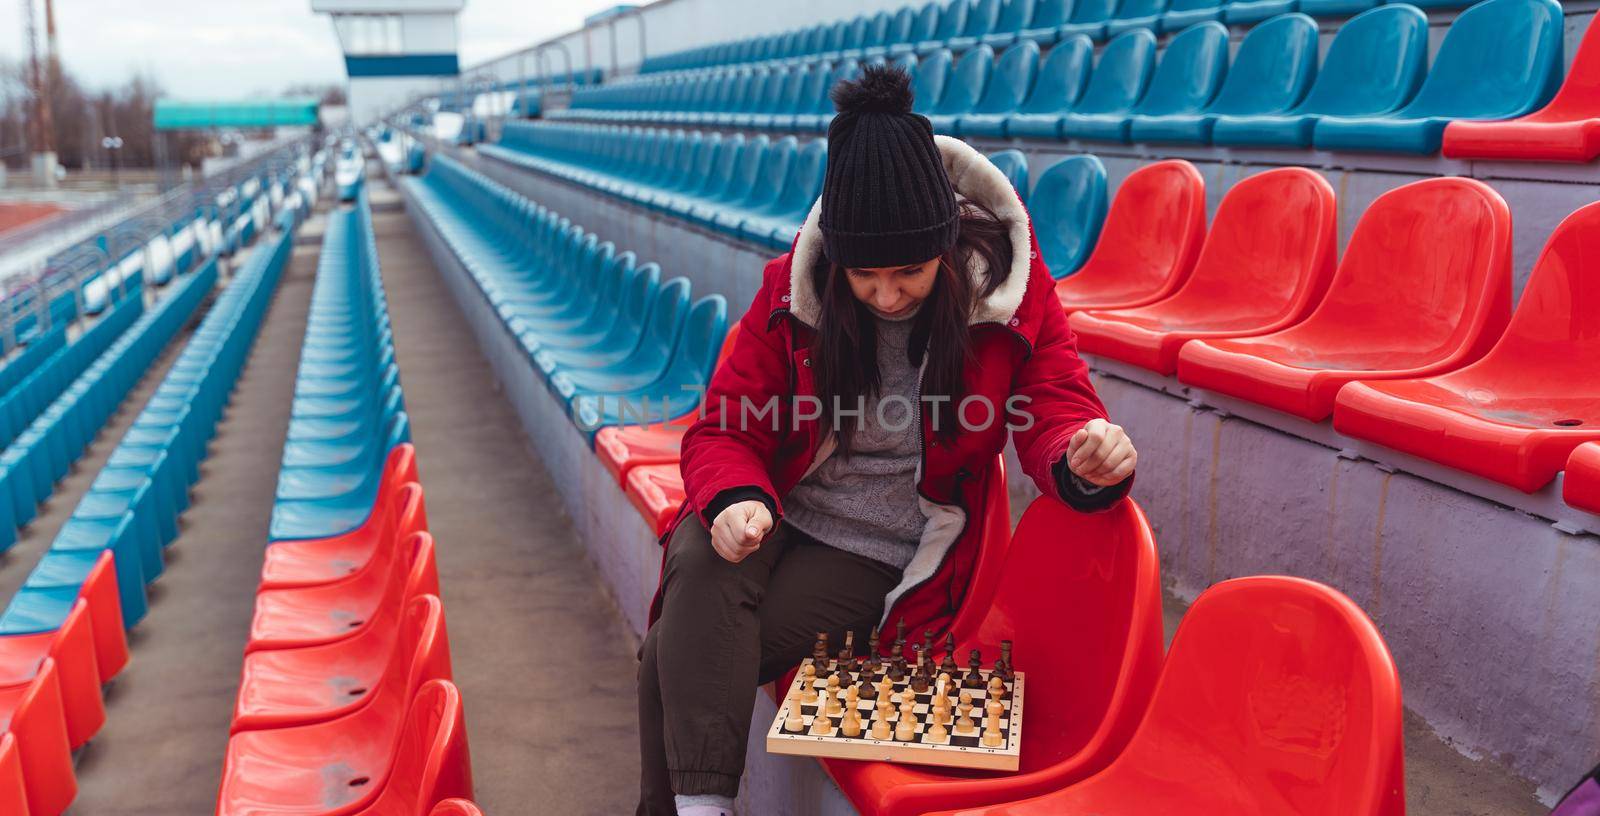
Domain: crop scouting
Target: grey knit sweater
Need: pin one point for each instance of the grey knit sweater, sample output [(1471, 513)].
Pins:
[(866, 503)]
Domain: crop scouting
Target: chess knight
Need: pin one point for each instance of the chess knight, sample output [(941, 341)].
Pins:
[(840, 475)]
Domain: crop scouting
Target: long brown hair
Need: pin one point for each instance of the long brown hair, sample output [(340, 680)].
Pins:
[(845, 349)]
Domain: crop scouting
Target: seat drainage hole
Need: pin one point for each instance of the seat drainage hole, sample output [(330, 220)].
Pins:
[(357, 692), (353, 624), (1569, 423), (359, 781)]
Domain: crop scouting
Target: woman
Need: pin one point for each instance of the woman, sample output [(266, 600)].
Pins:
[(835, 479)]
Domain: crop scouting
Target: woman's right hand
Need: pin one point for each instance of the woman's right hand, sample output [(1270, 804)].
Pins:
[(739, 528)]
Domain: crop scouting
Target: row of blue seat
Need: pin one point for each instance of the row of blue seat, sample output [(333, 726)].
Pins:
[(735, 185), (958, 25), (1375, 91), (22, 405), (132, 508), (755, 189), (40, 346), (610, 337), (348, 409)]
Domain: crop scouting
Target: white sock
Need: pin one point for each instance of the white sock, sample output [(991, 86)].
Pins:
[(708, 804)]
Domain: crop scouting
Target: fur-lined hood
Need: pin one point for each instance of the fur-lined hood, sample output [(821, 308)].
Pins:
[(974, 178)]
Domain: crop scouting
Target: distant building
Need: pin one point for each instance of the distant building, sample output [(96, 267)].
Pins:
[(393, 49)]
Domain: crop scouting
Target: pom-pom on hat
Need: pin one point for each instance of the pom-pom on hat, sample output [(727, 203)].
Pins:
[(886, 200)]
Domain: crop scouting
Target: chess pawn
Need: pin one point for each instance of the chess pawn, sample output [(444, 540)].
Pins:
[(994, 708), (966, 698), (991, 732), (835, 707), (974, 678), (833, 684), (905, 730), (820, 724), (851, 727), (808, 685), (964, 724), (869, 691), (880, 728), (997, 687), (937, 732)]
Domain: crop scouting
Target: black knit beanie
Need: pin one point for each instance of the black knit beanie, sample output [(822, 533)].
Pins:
[(886, 200)]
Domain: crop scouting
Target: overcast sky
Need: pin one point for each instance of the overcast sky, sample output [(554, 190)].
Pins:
[(232, 48)]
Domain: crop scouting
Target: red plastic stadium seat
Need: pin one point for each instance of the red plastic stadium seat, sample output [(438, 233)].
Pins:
[(624, 447), (1148, 245), (432, 764), (287, 687), (32, 713), (305, 562), (1567, 129), (312, 616), (341, 766), (1278, 697), (656, 492), (99, 591), (1424, 288), (456, 807), (13, 792), (1514, 416), (1265, 264), (1092, 678), (72, 648), (1581, 487)]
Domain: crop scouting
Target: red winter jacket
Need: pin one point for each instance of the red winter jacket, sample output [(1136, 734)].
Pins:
[(1021, 347)]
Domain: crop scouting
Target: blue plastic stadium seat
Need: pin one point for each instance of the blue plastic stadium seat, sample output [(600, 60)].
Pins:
[(1014, 17), (1088, 17), (929, 81), (676, 392), (1373, 67), (1009, 84), (1191, 69), (1062, 78), (1014, 165), (1132, 14), (1270, 73), (1069, 205), (1500, 59), (1250, 12), (818, 118), (1048, 17), (952, 21), (1337, 8), (777, 224), (968, 81), (982, 16), (1184, 13), (896, 32)]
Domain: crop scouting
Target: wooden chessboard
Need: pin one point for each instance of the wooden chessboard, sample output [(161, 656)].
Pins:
[(954, 750)]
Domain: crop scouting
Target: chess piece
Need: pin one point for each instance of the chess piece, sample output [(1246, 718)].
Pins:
[(966, 698), (936, 732), (908, 710), (974, 678), (991, 732), (869, 690), (885, 709), (851, 727), (885, 687), (793, 722), (905, 730), (1003, 667), (948, 665), (835, 704), (880, 728), (900, 636), (997, 687), (847, 655), (964, 724), (927, 643), (820, 724), (919, 678), (872, 662), (946, 685), (819, 653), (852, 695), (994, 708), (897, 668), (808, 687)]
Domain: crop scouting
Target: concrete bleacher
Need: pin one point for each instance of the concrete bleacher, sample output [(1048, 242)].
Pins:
[(1246, 479)]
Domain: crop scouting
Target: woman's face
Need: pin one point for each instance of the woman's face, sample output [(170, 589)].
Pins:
[(892, 291)]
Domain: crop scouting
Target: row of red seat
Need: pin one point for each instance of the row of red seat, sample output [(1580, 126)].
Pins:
[(345, 701), (1409, 340)]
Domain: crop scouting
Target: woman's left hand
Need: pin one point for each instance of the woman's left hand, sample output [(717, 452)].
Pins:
[(1101, 453)]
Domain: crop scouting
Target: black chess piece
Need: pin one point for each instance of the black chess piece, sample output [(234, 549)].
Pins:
[(870, 666), (927, 643), (948, 665), (868, 687), (1002, 666), (974, 678), (819, 654)]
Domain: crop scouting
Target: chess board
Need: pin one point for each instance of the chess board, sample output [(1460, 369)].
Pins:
[(954, 750)]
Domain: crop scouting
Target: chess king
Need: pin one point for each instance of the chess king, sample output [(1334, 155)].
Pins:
[(836, 477)]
